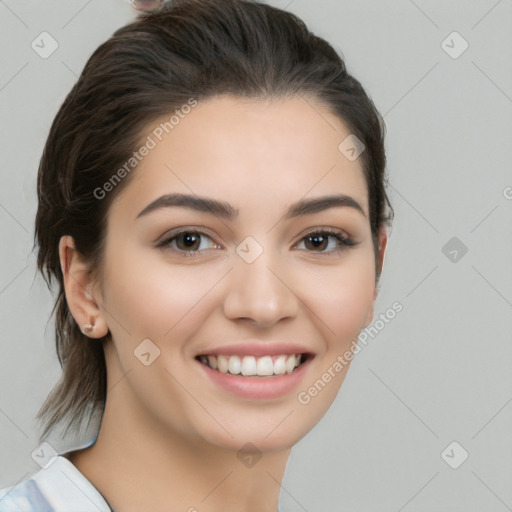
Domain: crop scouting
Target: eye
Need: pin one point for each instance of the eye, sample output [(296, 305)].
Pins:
[(320, 240), (187, 242)]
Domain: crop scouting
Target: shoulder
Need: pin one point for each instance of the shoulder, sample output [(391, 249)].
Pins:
[(59, 487)]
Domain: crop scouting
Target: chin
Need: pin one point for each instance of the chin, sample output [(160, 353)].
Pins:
[(268, 432)]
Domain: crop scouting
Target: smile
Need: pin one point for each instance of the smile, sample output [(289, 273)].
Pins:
[(252, 366)]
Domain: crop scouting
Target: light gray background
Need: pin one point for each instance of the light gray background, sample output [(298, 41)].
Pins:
[(440, 371)]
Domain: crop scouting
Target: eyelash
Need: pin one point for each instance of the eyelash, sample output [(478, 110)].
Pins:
[(344, 241)]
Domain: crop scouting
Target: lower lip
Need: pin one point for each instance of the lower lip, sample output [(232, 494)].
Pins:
[(258, 387)]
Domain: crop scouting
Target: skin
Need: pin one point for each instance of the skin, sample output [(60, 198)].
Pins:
[(167, 428)]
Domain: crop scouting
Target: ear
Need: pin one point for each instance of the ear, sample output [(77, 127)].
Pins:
[(78, 287), (383, 240)]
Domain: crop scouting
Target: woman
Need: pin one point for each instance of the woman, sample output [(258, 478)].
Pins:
[(212, 206)]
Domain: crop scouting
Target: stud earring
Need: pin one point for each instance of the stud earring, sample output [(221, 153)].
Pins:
[(87, 329)]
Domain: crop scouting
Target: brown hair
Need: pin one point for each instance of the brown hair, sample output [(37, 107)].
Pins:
[(151, 67)]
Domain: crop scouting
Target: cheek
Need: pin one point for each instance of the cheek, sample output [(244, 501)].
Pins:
[(340, 299), (151, 298), (350, 311)]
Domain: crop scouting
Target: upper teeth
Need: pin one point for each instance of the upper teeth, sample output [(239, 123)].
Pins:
[(251, 365)]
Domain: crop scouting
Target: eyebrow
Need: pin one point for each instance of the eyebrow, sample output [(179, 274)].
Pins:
[(228, 212)]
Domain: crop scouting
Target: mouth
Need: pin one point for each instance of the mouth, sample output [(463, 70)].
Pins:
[(254, 366)]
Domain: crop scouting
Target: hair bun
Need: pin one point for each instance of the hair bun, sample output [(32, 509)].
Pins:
[(147, 5)]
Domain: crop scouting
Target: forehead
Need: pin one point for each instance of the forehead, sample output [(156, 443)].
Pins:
[(248, 150)]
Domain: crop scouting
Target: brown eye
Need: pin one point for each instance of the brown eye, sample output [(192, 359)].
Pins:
[(189, 240), (186, 242), (318, 241)]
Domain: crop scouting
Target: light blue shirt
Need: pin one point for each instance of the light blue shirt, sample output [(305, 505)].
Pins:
[(58, 487)]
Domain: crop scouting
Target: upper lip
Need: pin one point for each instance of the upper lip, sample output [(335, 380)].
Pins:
[(256, 348)]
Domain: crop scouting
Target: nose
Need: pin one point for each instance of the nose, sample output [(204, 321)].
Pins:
[(260, 292)]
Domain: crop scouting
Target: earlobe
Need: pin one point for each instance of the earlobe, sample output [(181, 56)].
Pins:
[(383, 240), (84, 308), (369, 317)]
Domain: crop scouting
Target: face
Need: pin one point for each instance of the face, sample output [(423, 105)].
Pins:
[(254, 277)]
